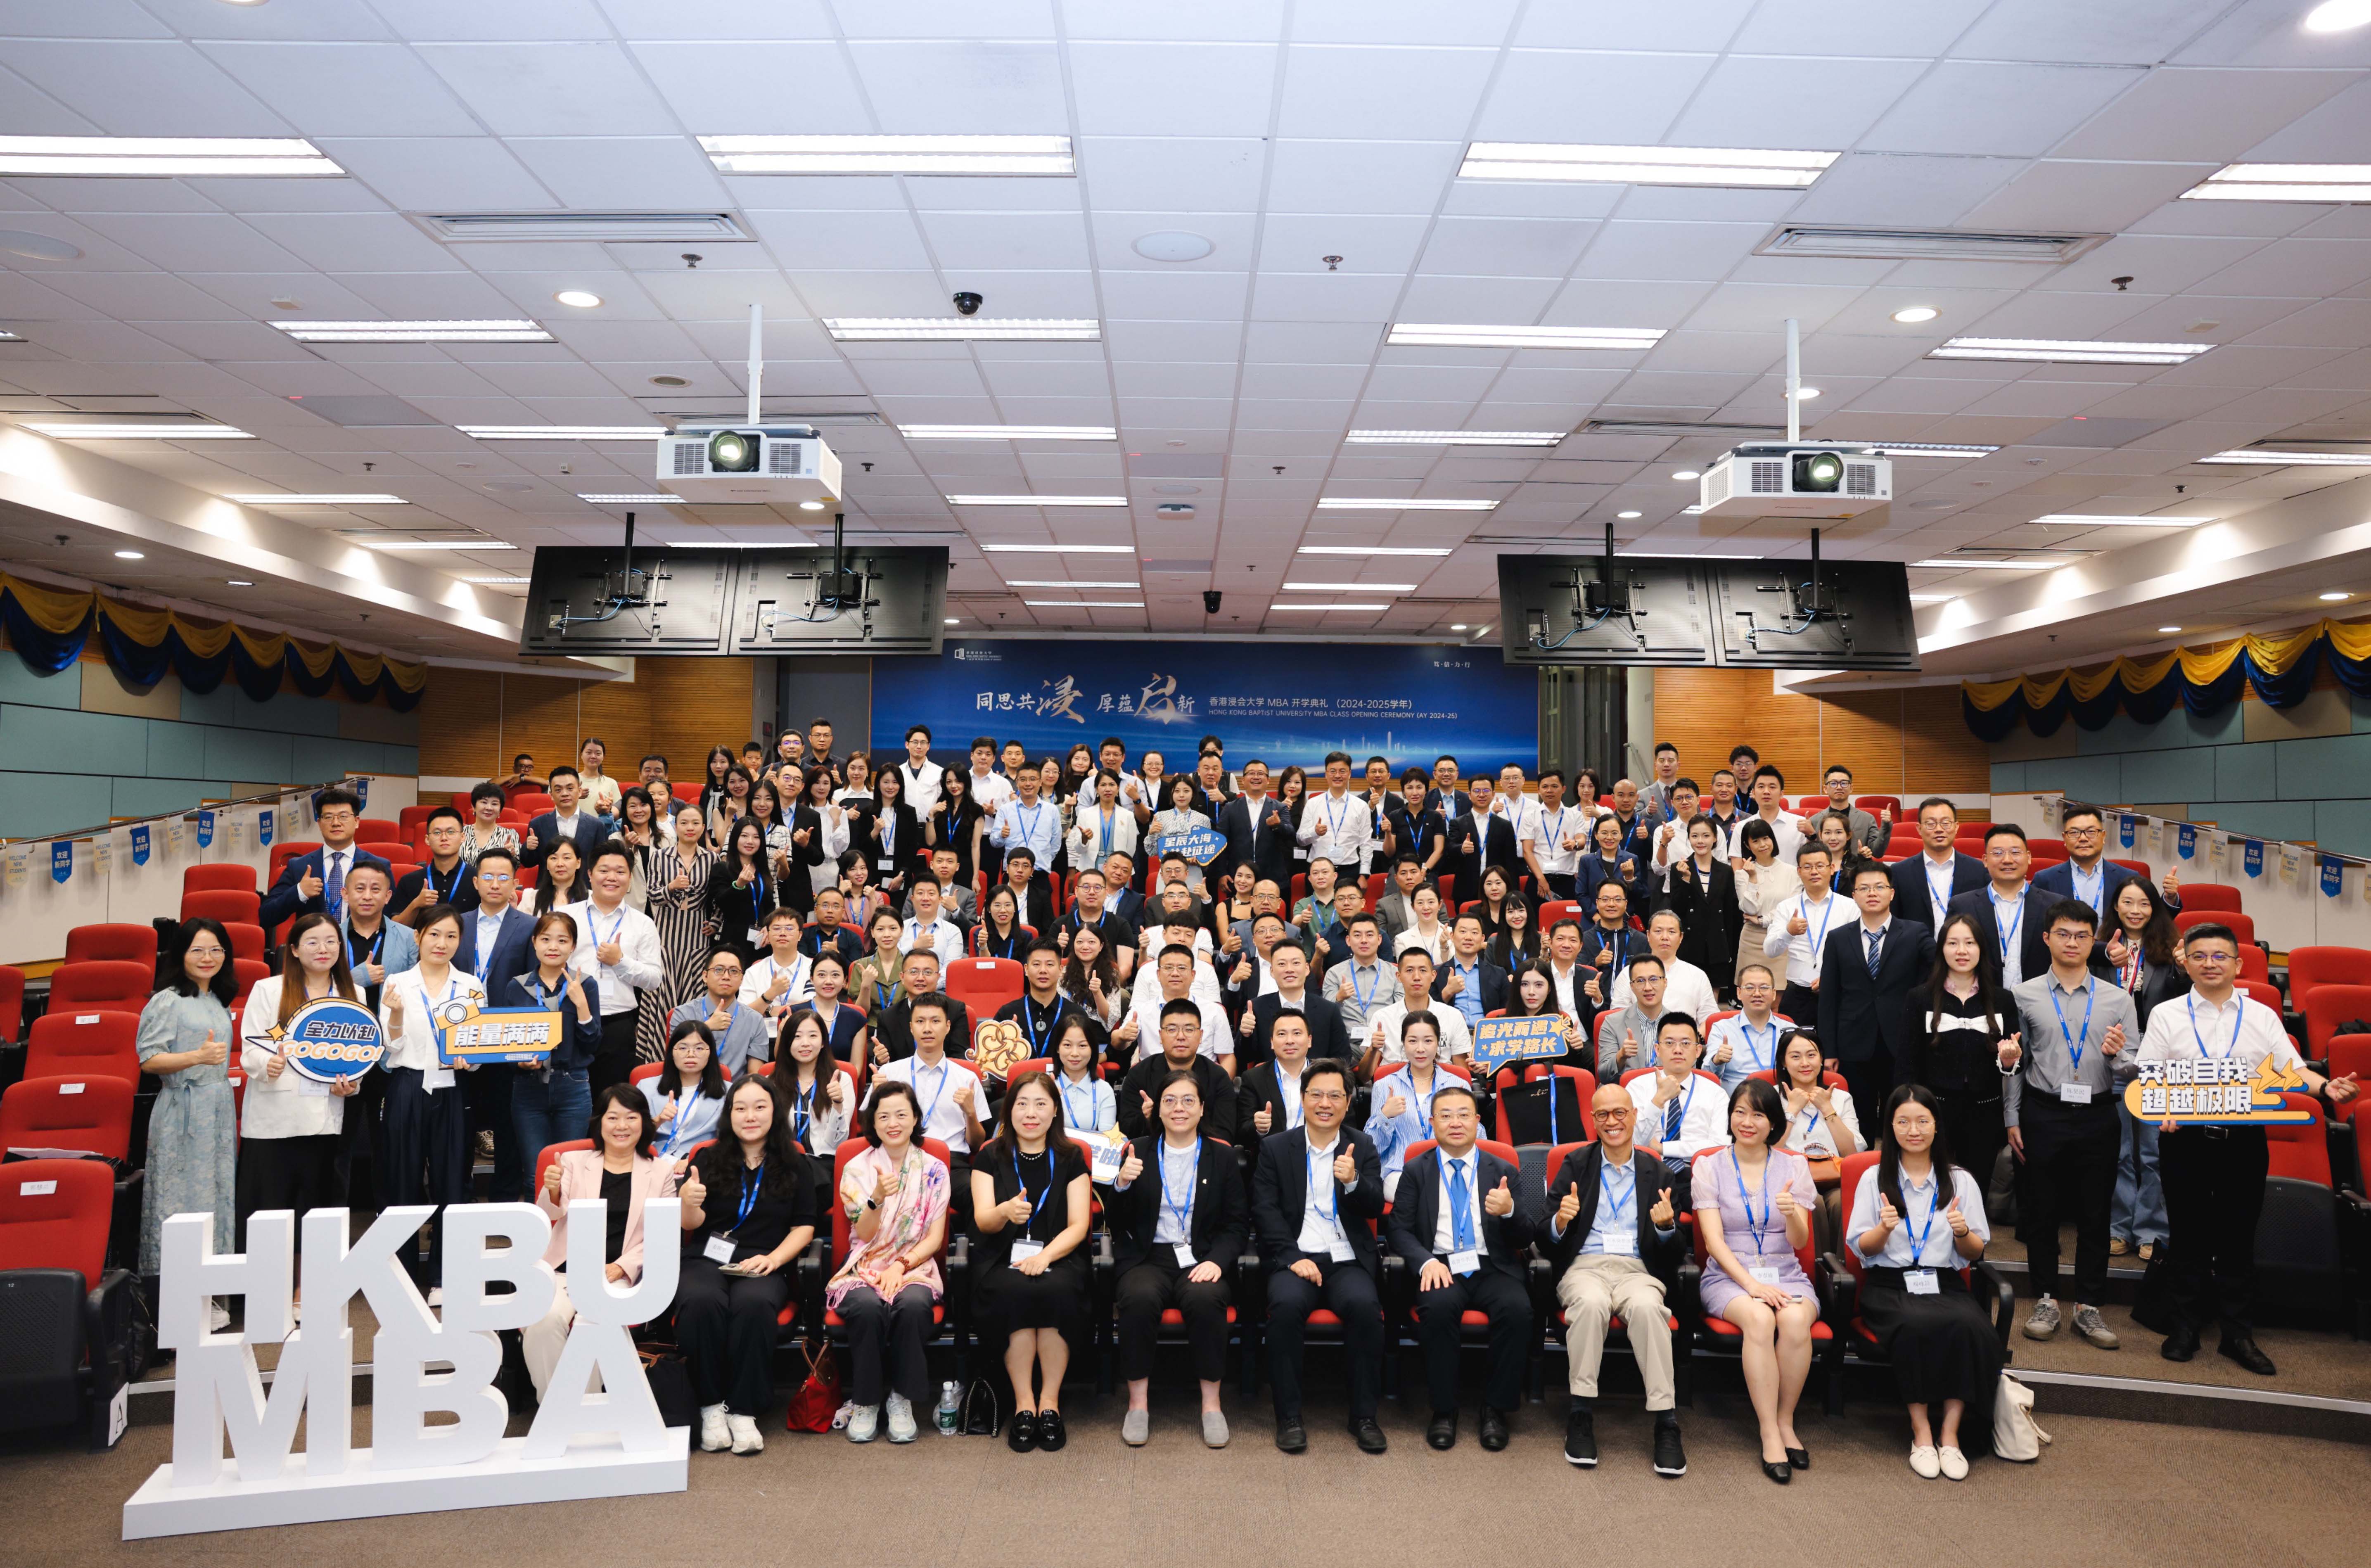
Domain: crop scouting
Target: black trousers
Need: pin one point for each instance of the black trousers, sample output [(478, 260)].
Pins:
[(1971, 1128), (1151, 1288), (362, 1146), (1802, 1003), (1870, 1081), (2070, 1167), (886, 1344), (1562, 884), (614, 1062), (427, 1161), (725, 1326), (1349, 1293), (1440, 1331), (298, 1174), (487, 1093), (2213, 1195)]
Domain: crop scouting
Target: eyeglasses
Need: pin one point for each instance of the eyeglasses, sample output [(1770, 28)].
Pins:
[(496, 877), (2209, 956), (2081, 833), (1615, 1115), (1178, 1102), (1325, 1097)]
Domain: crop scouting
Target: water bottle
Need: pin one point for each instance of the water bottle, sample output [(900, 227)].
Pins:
[(948, 1420)]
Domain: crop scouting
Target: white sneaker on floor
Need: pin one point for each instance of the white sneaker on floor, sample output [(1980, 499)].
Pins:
[(436, 1295), (1954, 1463), (1924, 1463), (864, 1423), (901, 1419), (217, 1315), (715, 1437), (745, 1434)]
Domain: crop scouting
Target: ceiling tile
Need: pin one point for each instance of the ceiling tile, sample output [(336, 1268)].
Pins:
[(1966, 106)]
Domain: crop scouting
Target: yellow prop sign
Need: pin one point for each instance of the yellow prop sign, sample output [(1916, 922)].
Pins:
[(2215, 1091)]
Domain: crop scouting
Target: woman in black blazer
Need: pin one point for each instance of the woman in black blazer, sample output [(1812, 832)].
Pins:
[(1702, 890), (743, 890), (1178, 1218), (892, 836)]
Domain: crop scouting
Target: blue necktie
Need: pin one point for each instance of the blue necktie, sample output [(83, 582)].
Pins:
[(333, 886), (1876, 950), (1671, 1119), (1461, 1202)]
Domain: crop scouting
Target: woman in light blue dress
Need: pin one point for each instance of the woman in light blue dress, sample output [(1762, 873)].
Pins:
[(185, 1039)]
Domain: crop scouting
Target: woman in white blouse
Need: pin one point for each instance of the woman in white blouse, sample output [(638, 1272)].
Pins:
[(1763, 882), (1088, 1106), (1102, 826), (290, 1125), (1427, 933), (426, 1116), (1181, 814)]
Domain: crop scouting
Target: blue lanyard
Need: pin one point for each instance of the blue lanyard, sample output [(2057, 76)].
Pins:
[(1037, 1035), (446, 895), (944, 1069), (1753, 1224), (1616, 943), (1612, 1206), (1029, 816), (486, 948), (1942, 895), (2239, 1016), (1420, 1106), (1364, 993), (2074, 1043), (1416, 835), (1335, 813), (1754, 1051), (1104, 834), (436, 1030), (752, 1182), (1071, 1112), (1182, 1209), (803, 1104), (1918, 1239), (1827, 912), (2008, 932), (615, 926), (1043, 1198)]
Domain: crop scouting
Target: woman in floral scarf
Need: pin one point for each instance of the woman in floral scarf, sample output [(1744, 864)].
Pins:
[(896, 1198)]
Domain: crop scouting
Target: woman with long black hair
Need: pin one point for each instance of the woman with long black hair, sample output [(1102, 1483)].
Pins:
[(2139, 940), (999, 933), (1970, 1016), (185, 1039), (743, 890)]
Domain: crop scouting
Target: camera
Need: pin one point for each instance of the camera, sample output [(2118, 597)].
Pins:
[(1209, 601), (968, 303)]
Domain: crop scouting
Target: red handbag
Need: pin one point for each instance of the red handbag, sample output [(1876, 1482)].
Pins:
[(818, 1399)]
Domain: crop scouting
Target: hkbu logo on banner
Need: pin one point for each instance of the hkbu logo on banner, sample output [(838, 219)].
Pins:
[(2333, 875), (2186, 841), (2252, 858), (62, 860), (2129, 825), (140, 842), (205, 829)]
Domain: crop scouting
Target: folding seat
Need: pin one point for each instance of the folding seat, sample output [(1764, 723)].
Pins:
[(1842, 1273), (69, 1316), (126, 944), (229, 905)]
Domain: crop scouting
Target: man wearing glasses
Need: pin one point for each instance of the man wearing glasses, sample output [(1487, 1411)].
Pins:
[(2087, 874), (741, 1037)]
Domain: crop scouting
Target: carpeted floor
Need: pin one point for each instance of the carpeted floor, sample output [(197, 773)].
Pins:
[(2106, 1494)]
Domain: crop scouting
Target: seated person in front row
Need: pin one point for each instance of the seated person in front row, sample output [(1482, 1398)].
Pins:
[(1177, 1222), (1616, 1241), (1414, 971), (895, 1196), (1030, 1196), (1462, 1221), (623, 1174), (1679, 1112), (1399, 1108), (1181, 1051), (1314, 1198), (1753, 1206)]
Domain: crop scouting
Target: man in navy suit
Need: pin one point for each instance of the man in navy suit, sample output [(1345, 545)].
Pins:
[(316, 880), (1872, 975), (1925, 885), (2087, 872), (2011, 914), (1257, 830), (1480, 838), (497, 938), (1462, 1221), (585, 828)]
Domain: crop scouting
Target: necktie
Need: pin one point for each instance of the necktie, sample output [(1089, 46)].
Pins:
[(1460, 1205), (1672, 1119), (1876, 950), (333, 886)]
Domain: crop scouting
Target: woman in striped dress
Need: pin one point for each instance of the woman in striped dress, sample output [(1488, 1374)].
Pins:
[(678, 879)]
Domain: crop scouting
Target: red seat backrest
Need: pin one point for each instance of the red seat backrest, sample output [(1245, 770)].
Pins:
[(54, 1213), (686, 791), (1584, 1085), (95, 944), (229, 905), (2352, 1054), (2242, 926), (2330, 1007), (2311, 967), (74, 1044), (220, 877), (2255, 965), (2300, 1150), (2211, 896), (12, 1002), (551, 1153), (1559, 909), (2140, 869), (282, 849), (1827, 1080), (245, 939), (247, 972), (378, 827), (982, 985), (2262, 990), (91, 1112), (110, 981)]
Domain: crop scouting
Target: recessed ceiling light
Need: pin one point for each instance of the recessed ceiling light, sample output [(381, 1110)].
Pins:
[(2054, 351), (2333, 597), (238, 582), (1626, 515), (471, 545), (1036, 500), (158, 430), (163, 157), (1755, 167), (670, 380), (2338, 16), (2292, 460), (1439, 336), (414, 331), (742, 545), (1452, 437), (1008, 432), (1174, 245), (1368, 550), (1070, 583), (1911, 315), (955, 620), (1084, 603), (1805, 394), (1687, 473), (960, 328), (2165, 629), (890, 155), (319, 500), (2079, 520), (2322, 182), (129, 555), (1457, 625), (810, 506), (1349, 588), (646, 498), (1059, 549), (1397, 504), (578, 297), (1321, 608), (562, 432)]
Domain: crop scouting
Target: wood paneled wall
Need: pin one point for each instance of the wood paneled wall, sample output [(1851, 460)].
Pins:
[(1905, 741), (474, 720)]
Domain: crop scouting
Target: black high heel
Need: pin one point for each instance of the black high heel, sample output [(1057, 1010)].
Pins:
[(1799, 1457), (1777, 1472)]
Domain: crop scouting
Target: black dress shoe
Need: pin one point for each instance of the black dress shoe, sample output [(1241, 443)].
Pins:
[(1371, 1436), (1442, 1433), (1494, 1429), (2180, 1344), (2244, 1350), (1799, 1457), (1778, 1471), (1290, 1436), (1022, 1434), (1050, 1435)]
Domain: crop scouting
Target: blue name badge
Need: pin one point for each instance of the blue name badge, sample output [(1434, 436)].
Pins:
[(1200, 845), (467, 1035), (1500, 1041), (331, 1039)]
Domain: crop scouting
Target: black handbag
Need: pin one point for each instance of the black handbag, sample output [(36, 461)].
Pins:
[(1546, 1110), (983, 1414), (670, 1381), (2152, 1301)]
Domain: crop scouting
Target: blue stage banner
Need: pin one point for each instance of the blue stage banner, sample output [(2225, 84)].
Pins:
[(1282, 701)]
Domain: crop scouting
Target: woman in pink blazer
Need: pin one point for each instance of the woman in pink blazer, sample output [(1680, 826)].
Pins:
[(622, 1172)]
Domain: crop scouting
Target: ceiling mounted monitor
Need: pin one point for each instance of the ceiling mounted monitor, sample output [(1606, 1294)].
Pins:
[(859, 599), (1604, 609), (655, 600), (1813, 614)]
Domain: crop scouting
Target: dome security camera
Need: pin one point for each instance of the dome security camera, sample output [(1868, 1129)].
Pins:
[(968, 303)]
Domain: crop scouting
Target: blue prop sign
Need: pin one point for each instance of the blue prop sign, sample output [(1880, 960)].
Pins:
[(2185, 838), (2252, 857), (331, 1039), (1200, 845), (263, 827), (2333, 875), (140, 842), (205, 829), (62, 860), (2129, 827), (467, 1036), (1282, 702), (1500, 1041)]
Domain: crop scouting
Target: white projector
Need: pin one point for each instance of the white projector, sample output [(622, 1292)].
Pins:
[(1813, 480), (753, 464)]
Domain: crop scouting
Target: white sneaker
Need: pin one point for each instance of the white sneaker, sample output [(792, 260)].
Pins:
[(901, 1419), (1924, 1463), (436, 1295), (864, 1423), (1955, 1464), (745, 1434), (217, 1315), (714, 1438)]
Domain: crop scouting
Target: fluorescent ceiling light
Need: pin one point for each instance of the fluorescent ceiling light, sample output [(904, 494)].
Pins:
[(1070, 583), (955, 620), (2284, 182), (9, 337), (1084, 603), (960, 328), (497, 579), (1368, 549), (163, 157), (1398, 503), (1059, 549), (1452, 438), (1930, 449), (2079, 520), (2053, 350), (1439, 336), (2333, 597), (1349, 588), (1845, 241), (414, 331), (129, 555), (1325, 606), (1625, 515), (1008, 432), (319, 500), (2168, 629), (741, 544), (1990, 565), (562, 432), (154, 430), (1749, 167), (2338, 16), (890, 155), (1687, 473), (453, 544), (2292, 460), (649, 499), (1036, 500)]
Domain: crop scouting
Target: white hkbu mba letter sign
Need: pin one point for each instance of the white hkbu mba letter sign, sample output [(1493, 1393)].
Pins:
[(583, 1444)]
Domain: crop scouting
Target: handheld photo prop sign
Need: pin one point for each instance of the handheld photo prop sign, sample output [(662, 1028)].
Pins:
[(330, 1040), (1200, 845), (2215, 1091), (1499, 1042), (469, 1035), (998, 1046)]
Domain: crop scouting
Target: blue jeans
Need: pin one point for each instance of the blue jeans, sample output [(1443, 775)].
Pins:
[(2138, 1214), (554, 1113)]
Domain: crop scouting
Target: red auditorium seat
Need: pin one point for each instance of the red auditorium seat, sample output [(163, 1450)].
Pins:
[(109, 984), (2242, 926), (69, 1316), (833, 1325), (12, 1003), (983, 985), (90, 1112), (124, 944), (2196, 896), (2311, 967), (225, 876), (68, 1044), (229, 905)]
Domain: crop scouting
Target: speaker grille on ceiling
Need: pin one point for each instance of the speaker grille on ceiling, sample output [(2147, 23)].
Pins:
[(1768, 478)]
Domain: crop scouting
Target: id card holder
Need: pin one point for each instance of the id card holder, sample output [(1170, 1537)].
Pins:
[(1026, 1249), (436, 1078), (1466, 1263), (1622, 1243), (1185, 1256), (757, 937), (1920, 1282), (312, 1090), (719, 1249), (1763, 1273), (1340, 1252), (2075, 1093)]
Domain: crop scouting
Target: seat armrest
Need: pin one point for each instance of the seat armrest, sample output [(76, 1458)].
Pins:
[(1839, 1290), (2004, 1298)]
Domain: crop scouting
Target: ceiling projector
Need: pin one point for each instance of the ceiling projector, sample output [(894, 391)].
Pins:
[(1797, 479), (754, 464)]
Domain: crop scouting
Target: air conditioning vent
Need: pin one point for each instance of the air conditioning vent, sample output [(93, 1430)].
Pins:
[(580, 227), (782, 458), (1860, 479), (688, 457), (1926, 244), (1769, 478), (1716, 484)]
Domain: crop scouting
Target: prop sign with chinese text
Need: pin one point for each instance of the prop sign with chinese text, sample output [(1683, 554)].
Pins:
[(474, 1035), (1500, 1042), (2215, 1091)]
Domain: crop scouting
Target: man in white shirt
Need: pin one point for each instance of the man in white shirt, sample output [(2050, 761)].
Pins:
[(1512, 803), (1552, 842), (1566, 973), (990, 789), (1670, 835), (1364, 984), (1680, 1111), (1686, 988), (1027, 822), (1769, 804), (1799, 926), (1746, 1042), (924, 779), (2214, 1176), (1383, 1041), (1337, 824), (779, 983), (948, 1092), (929, 928), (1174, 973), (618, 948)]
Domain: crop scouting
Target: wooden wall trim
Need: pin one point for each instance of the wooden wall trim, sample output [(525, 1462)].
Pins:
[(1908, 740)]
